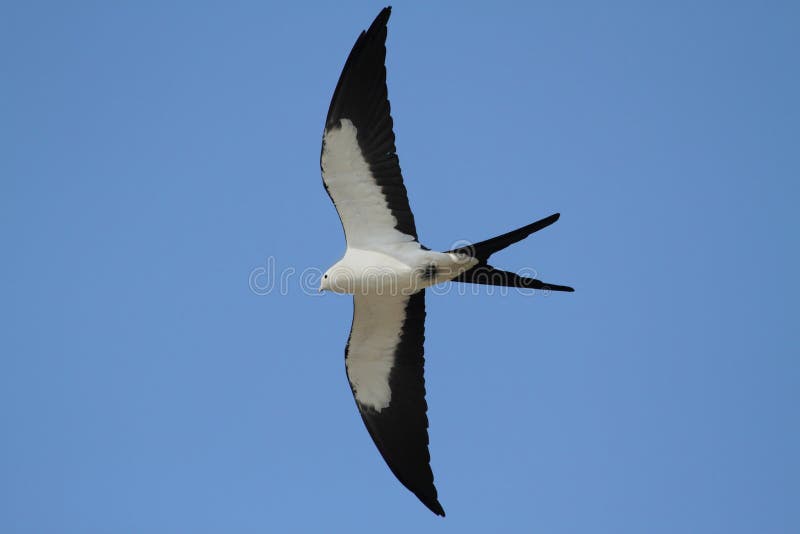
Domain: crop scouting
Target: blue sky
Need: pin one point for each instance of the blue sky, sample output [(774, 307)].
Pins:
[(154, 155)]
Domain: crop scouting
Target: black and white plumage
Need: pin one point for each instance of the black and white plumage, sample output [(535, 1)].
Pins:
[(386, 268)]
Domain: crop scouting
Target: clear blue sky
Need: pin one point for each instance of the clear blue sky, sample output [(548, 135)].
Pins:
[(152, 155)]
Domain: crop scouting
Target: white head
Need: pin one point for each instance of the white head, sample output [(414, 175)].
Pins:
[(338, 279)]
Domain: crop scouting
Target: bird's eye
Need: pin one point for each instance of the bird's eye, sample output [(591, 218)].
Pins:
[(326, 276)]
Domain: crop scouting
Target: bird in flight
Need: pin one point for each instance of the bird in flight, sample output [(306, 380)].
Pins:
[(385, 267)]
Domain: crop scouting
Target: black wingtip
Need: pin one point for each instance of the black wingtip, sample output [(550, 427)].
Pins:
[(372, 44), (429, 497), (434, 507), (381, 19)]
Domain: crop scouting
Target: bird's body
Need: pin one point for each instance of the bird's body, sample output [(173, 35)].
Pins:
[(385, 267), (394, 270)]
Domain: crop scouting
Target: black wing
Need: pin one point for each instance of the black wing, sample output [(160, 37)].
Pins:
[(385, 367), (360, 168)]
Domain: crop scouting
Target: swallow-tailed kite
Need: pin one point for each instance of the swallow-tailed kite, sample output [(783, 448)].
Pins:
[(385, 267)]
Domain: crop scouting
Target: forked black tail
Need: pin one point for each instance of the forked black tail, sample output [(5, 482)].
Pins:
[(485, 274)]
